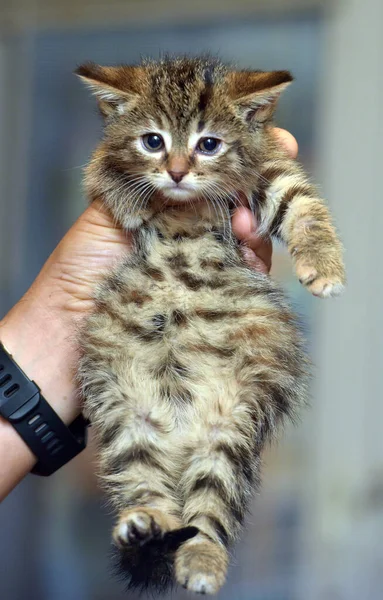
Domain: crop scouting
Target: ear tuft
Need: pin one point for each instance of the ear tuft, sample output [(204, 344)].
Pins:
[(255, 93), (244, 83), (89, 70), (114, 87)]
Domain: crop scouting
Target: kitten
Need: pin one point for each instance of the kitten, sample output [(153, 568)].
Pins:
[(191, 359)]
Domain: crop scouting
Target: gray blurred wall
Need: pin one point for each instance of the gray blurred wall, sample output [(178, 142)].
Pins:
[(345, 492)]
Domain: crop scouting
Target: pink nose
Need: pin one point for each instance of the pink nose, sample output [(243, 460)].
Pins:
[(177, 176)]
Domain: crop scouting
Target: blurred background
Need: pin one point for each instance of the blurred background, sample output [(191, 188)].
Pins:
[(316, 528)]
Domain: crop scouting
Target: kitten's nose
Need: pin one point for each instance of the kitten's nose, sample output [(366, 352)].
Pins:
[(177, 176), (177, 167)]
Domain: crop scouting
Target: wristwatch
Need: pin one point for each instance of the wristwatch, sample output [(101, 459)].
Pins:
[(22, 404)]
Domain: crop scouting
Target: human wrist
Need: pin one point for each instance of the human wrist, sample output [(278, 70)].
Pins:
[(41, 341)]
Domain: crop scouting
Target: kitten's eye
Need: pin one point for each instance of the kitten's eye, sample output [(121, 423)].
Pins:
[(153, 142), (209, 145)]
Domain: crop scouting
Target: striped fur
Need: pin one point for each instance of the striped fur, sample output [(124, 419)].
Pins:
[(191, 360)]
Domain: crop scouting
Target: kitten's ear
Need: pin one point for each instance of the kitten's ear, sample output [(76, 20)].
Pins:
[(256, 93), (116, 88)]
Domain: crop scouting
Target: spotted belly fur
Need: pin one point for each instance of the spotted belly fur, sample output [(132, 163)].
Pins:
[(189, 363)]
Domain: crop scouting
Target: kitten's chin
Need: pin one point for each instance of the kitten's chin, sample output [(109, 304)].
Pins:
[(178, 195)]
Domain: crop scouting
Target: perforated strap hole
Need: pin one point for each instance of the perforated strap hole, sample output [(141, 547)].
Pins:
[(5, 380), (11, 390), (57, 449), (52, 444), (33, 420), (47, 436), (41, 428)]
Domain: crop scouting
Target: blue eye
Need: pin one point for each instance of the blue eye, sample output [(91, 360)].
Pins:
[(209, 145), (153, 142)]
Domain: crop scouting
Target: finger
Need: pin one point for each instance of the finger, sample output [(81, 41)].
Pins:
[(262, 248), (253, 260), (243, 223), (245, 228), (287, 140)]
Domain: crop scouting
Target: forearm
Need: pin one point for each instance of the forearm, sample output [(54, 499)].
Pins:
[(42, 345)]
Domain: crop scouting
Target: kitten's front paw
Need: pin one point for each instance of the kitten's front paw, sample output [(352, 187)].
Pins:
[(321, 282), (139, 525)]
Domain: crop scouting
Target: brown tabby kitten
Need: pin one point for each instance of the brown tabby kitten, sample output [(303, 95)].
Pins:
[(191, 359)]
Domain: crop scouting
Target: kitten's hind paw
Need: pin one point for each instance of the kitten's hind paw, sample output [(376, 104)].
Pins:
[(201, 565), (150, 565), (139, 525)]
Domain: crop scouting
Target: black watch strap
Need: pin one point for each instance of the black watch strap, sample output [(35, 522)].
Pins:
[(22, 404)]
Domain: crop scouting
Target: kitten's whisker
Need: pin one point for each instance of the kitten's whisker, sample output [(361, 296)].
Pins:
[(226, 217), (131, 184), (142, 188), (262, 178), (219, 205), (127, 183), (74, 168), (217, 191), (227, 193), (143, 195), (138, 189)]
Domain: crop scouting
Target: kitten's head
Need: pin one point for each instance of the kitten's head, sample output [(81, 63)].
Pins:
[(181, 130)]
